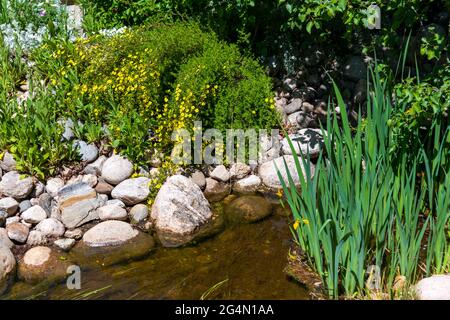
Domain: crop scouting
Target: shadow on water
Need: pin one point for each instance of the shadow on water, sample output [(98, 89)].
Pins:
[(245, 261)]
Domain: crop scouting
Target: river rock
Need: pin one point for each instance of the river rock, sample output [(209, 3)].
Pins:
[(436, 287), (132, 191), (87, 152), (7, 268), (53, 186), (138, 213), (15, 186), (78, 204), (18, 232), (34, 215), (269, 176), (96, 166), (294, 106), (76, 234), (51, 228), (4, 239), (109, 233), (12, 220), (216, 191), (248, 185), (39, 189), (181, 212), (199, 179), (64, 244), (9, 205), (116, 169), (24, 205), (112, 212), (36, 238), (103, 187), (3, 217), (306, 141), (248, 209), (8, 163), (42, 264), (220, 173), (239, 170)]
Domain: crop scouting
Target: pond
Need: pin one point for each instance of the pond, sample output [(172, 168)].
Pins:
[(245, 261)]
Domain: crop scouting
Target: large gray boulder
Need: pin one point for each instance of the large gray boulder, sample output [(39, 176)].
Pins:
[(180, 212), (7, 268), (16, 186), (434, 288), (132, 191)]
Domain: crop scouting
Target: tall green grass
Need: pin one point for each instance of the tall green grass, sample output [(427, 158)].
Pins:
[(365, 206)]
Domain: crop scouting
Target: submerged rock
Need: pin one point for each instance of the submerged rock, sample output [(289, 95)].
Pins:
[(181, 212), (434, 288), (248, 209), (16, 186), (7, 268), (42, 264)]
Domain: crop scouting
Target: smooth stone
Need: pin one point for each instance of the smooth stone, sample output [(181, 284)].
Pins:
[(306, 141), (18, 232), (53, 186), (7, 268), (199, 179), (220, 173), (239, 170), (138, 213), (36, 238), (96, 166), (12, 220), (76, 234), (39, 189), (248, 209), (42, 264), (268, 172), (10, 205), (436, 287), (15, 186), (8, 163), (45, 202), (64, 244), (132, 191), (109, 233), (104, 188), (89, 179), (248, 185), (24, 205), (116, 169), (294, 106), (216, 191), (181, 213), (34, 215), (116, 202), (4, 239), (112, 212), (87, 152), (51, 228), (68, 129)]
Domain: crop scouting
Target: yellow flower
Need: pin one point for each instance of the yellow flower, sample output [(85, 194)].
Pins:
[(296, 224), (280, 193), (305, 221)]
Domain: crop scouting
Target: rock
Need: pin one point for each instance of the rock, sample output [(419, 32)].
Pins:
[(76, 234), (36, 238), (220, 173), (42, 264), (289, 84), (355, 68), (109, 233), (90, 179), (248, 209), (436, 287), (53, 186), (34, 215), (9, 205), (116, 202), (216, 191), (112, 212), (15, 186), (138, 213), (39, 189), (4, 239), (181, 212), (18, 232), (132, 191), (78, 204), (87, 152), (294, 106), (12, 220), (270, 155), (104, 188), (199, 179), (247, 185), (292, 119), (111, 242), (7, 268), (269, 176), (51, 228), (68, 129), (45, 202), (24, 205), (64, 244), (116, 169), (8, 163), (3, 217), (96, 166), (239, 170), (306, 141)]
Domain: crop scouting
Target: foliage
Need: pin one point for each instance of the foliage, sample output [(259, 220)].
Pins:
[(358, 209)]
